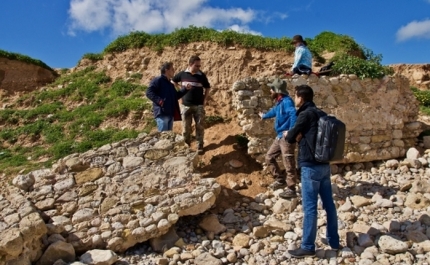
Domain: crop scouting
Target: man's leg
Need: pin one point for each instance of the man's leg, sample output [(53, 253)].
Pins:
[(199, 119), (170, 124), (289, 161), (272, 166), (163, 123), (328, 204), (186, 116), (310, 190)]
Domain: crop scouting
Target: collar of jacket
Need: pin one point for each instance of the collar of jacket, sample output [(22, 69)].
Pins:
[(308, 104)]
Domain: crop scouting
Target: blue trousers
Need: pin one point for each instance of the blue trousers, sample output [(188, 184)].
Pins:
[(164, 123), (316, 181)]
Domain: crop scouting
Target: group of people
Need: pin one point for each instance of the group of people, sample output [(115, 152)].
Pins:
[(292, 126), (192, 87), (301, 126)]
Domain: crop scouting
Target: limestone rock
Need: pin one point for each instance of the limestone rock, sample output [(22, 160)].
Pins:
[(56, 251)]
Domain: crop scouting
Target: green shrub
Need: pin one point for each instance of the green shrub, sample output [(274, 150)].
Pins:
[(93, 56), (423, 96), (136, 76), (121, 88), (363, 68), (331, 42), (212, 120)]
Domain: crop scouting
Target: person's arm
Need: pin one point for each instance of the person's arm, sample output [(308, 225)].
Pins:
[(176, 79), (182, 91), (206, 96), (152, 92), (207, 88), (299, 126), (270, 114), (297, 57)]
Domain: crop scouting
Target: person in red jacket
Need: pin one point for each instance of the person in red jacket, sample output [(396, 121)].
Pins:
[(164, 97)]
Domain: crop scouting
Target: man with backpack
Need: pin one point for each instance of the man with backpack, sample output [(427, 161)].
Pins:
[(284, 113), (315, 175)]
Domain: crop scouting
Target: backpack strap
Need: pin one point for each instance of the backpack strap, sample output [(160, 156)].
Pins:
[(316, 113)]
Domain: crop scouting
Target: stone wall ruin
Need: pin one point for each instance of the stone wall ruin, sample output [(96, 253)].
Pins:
[(380, 114)]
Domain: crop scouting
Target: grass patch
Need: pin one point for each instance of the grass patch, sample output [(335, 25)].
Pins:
[(91, 99), (212, 120)]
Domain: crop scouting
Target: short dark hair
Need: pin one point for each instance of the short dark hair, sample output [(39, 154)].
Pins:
[(193, 59), (305, 92), (166, 66)]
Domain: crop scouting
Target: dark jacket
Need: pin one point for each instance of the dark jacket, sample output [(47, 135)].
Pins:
[(284, 113), (164, 97), (307, 125)]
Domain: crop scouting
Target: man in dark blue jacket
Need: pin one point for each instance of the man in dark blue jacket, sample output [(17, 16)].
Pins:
[(315, 176), (284, 113), (164, 97)]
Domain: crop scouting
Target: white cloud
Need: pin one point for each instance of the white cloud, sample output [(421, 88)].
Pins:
[(244, 29), (415, 29), (123, 16)]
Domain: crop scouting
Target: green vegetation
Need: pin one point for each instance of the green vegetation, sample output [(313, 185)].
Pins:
[(370, 67), (181, 36), (24, 58), (350, 57), (73, 114), (423, 97), (60, 131), (212, 120), (93, 56)]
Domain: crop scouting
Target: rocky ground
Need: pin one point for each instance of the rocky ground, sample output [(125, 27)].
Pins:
[(383, 210)]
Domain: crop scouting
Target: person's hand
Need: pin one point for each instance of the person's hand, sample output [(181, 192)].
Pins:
[(284, 134), (261, 114), (299, 137)]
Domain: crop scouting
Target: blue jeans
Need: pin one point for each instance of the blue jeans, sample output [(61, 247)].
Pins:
[(316, 180), (164, 123)]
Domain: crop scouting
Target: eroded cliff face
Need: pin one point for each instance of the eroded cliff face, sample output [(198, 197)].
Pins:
[(417, 74), (17, 76)]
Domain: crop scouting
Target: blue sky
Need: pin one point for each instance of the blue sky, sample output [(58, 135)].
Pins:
[(60, 32)]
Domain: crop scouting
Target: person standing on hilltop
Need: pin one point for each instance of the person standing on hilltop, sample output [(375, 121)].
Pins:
[(302, 57), (164, 97), (315, 176), (284, 113), (193, 103)]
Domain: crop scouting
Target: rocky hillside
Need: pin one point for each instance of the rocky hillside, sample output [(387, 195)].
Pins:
[(18, 76), (383, 206), (417, 74)]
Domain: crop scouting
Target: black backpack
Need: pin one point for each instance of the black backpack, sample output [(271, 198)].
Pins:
[(330, 139)]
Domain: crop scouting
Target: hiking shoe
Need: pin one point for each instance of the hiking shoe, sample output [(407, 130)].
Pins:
[(288, 193), (325, 242), (301, 253), (278, 184)]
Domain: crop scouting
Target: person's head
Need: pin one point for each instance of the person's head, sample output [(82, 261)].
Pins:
[(194, 64), (278, 87), (303, 94), (167, 69), (297, 40)]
